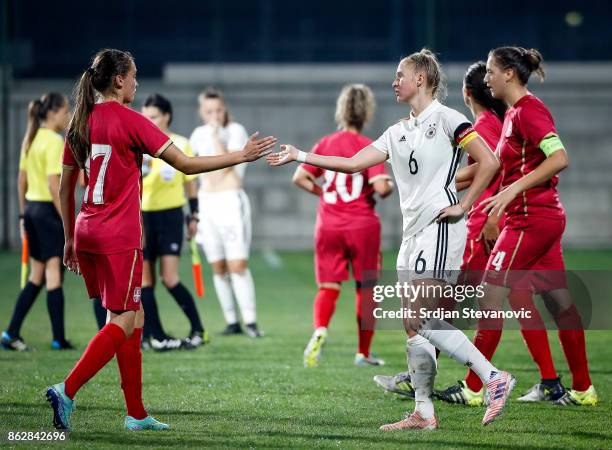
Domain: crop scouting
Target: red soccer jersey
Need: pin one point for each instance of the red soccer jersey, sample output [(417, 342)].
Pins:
[(526, 123), (347, 200), (489, 127), (110, 220)]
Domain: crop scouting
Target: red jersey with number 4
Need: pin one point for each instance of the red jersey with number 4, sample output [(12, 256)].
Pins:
[(489, 127), (348, 199), (110, 220), (526, 123)]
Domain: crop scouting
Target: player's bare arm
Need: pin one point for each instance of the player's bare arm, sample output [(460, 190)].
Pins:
[(487, 166), (67, 186), (551, 166), (54, 181), (306, 181), (368, 157), (253, 150)]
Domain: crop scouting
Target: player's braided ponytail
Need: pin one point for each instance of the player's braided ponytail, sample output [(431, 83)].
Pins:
[(523, 61), (355, 106), (473, 81), (37, 113), (97, 79)]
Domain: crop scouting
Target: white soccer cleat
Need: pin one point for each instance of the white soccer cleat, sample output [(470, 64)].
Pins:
[(499, 387)]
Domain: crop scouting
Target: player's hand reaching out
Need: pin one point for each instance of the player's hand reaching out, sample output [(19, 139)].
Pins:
[(256, 148), (287, 154), (70, 257)]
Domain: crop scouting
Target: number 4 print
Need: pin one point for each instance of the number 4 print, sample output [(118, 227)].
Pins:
[(98, 150), (498, 260)]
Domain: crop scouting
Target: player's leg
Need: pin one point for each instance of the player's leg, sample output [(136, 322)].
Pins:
[(331, 268), (129, 360), (99, 312), (237, 243), (11, 338), (170, 279), (364, 251), (55, 302), (535, 336), (209, 237)]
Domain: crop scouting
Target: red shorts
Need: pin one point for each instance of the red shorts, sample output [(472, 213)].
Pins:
[(529, 256), (335, 249), (115, 278), (475, 261)]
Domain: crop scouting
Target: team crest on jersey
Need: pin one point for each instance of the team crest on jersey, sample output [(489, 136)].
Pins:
[(136, 295), (431, 131), (509, 129)]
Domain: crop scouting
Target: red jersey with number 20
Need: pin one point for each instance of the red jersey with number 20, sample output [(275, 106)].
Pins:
[(110, 220), (348, 199), (527, 122)]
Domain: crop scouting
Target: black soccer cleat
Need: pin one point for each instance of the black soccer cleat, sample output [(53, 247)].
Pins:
[(232, 328)]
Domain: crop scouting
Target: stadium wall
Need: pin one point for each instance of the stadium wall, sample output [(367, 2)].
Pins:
[(296, 102)]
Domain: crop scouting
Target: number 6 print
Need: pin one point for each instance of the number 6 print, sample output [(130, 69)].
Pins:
[(98, 150)]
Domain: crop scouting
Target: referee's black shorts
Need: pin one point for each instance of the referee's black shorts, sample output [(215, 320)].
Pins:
[(43, 226), (163, 233)]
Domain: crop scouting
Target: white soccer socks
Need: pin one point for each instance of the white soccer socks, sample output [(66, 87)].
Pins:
[(422, 365), (244, 290), (223, 288), (456, 344)]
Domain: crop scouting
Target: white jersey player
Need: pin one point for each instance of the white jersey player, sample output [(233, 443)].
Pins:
[(224, 230), (424, 151)]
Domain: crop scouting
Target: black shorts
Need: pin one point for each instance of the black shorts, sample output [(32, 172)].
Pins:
[(43, 226), (163, 233)]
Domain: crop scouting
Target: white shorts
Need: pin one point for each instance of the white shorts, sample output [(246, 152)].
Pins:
[(435, 252), (224, 230)]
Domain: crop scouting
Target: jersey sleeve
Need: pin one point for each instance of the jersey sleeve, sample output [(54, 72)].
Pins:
[(383, 143), (68, 161), (534, 122), (237, 138), (458, 128), (54, 157), (315, 171), (146, 136), (377, 172)]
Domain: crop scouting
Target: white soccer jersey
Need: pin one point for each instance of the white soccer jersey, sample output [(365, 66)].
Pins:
[(233, 137), (425, 152)]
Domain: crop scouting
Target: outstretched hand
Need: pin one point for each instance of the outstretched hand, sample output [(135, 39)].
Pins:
[(287, 154), (256, 148)]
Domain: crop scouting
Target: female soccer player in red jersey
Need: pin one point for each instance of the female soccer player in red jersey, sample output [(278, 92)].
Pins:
[(425, 150), (532, 155), (109, 139), (347, 229), (38, 183), (483, 231)]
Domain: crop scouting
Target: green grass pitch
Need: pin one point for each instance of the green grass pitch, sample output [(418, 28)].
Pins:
[(238, 392)]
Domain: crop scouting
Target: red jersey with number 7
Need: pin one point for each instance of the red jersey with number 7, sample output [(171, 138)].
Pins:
[(348, 199), (110, 220)]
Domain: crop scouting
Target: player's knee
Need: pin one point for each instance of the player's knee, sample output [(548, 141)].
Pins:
[(328, 285), (170, 280), (238, 266), (219, 267)]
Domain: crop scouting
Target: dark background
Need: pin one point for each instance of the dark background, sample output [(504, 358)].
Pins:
[(54, 38)]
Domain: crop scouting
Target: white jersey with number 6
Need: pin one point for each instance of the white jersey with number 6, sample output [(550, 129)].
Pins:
[(425, 152)]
